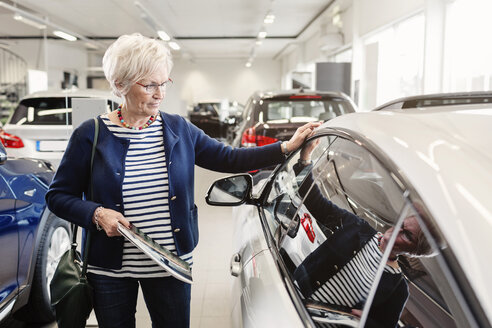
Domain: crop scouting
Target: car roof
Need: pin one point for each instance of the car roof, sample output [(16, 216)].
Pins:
[(286, 93), (448, 99), (445, 153), (74, 93)]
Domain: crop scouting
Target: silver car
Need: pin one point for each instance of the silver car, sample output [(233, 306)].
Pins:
[(41, 124), (420, 176)]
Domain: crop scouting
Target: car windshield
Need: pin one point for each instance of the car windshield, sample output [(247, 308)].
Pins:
[(43, 111), (46, 111), (207, 109), (304, 110)]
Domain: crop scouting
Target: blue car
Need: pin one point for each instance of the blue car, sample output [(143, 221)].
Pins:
[(32, 240)]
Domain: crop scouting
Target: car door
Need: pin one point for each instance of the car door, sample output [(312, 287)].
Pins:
[(8, 243)]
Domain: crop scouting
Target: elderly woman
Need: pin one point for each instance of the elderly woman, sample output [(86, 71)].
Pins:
[(143, 174)]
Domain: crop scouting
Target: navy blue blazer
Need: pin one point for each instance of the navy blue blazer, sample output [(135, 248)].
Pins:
[(184, 144)]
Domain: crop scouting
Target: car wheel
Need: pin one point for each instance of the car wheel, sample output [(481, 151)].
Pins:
[(55, 241)]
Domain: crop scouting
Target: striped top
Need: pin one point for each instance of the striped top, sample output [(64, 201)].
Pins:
[(145, 199), (352, 283)]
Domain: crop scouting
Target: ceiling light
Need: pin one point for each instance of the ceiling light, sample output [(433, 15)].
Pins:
[(269, 19), (64, 35), (258, 42), (262, 35), (163, 35), (20, 18), (91, 45), (174, 45), (248, 64)]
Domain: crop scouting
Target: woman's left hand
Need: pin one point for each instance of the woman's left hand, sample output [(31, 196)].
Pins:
[(301, 134)]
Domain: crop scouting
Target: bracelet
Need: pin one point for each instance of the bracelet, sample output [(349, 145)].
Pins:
[(96, 217), (283, 145), (304, 162)]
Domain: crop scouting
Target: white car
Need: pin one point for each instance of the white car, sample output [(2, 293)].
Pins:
[(41, 124), (432, 165)]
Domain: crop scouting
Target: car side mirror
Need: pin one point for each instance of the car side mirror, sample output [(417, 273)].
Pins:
[(231, 191), (3, 154)]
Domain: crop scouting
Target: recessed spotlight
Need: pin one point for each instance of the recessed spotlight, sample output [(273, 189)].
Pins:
[(174, 45), (163, 35)]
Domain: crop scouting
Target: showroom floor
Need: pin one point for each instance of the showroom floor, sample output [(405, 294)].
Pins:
[(210, 293)]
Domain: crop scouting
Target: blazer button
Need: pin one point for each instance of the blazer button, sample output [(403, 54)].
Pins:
[(318, 283), (173, 198), (177, 230), (336, 267), (118, 173)]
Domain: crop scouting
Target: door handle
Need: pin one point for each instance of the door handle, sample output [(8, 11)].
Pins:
[(236, 265)]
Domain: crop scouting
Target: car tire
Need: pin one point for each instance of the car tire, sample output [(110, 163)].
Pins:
[(55, 240)]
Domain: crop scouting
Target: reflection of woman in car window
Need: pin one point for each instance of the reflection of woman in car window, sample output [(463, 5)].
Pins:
[(342, 269)]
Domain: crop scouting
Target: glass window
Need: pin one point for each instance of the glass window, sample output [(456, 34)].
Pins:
[(353, 242), (394, 61), (283, 198), (304, 110), (46, 111), (467, 65)]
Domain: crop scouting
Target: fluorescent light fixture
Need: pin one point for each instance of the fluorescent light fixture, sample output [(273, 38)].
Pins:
[(163, 35), (262, 35), (20, 18), (64, 35), (174, 45), (337, 20), (248, 64), (91, 45), (269, 18)]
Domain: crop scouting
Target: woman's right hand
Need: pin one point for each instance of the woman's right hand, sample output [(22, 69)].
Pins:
[(108, 220), (308, 149)]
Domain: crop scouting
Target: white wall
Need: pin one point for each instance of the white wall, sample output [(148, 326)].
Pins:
[(61, 57), (218, 79)]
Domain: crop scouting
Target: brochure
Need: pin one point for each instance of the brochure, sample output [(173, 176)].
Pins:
[(179, 268)]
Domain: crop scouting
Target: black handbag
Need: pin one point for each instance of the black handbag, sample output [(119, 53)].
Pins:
[(71, 293)]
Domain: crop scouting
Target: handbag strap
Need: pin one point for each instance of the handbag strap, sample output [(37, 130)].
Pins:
[(91, 195)]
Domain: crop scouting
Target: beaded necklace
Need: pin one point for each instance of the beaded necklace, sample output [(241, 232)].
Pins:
[(128, 126)]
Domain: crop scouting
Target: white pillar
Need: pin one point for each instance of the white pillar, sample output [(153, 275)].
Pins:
[(434, 45)]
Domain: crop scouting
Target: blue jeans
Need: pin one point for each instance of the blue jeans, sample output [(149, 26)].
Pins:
[(115, 301)]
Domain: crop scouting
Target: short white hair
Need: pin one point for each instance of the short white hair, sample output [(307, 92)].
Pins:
[(132, 58)]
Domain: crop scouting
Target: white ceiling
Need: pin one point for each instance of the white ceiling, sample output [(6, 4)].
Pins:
[(204, 29)]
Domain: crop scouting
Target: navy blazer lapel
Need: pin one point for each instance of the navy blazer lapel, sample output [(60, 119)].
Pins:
[(170, 138)]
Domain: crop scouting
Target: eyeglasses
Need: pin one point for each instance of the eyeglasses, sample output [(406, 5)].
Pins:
[(152, 88)]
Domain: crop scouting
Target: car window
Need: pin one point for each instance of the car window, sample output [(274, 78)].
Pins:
[(283, 196), (303, 110), (46, 111), (333, 256), (211, 109), (326, 216)]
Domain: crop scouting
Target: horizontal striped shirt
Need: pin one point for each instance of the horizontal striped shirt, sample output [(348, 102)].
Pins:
[(145, 199), (352, 283)]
